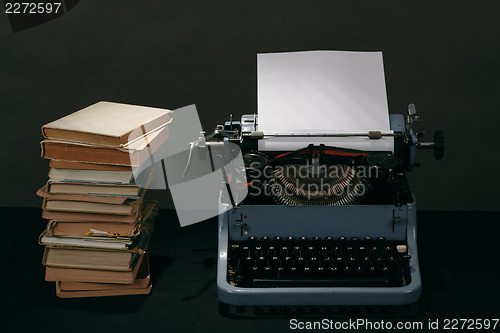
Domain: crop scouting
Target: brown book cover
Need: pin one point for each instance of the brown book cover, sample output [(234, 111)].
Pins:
[(92, 258), (89, 275), (87, 166), (81, 228), (89, 286), (98, 293), (134, 155), (142, 280), (129, 207), (107, 123), (88, 217), (111, 199)]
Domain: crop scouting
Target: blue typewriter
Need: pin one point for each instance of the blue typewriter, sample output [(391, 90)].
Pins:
[(329, 218), (284, 246)]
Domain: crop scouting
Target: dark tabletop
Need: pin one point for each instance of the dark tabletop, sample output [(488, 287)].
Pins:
[(458, 254)]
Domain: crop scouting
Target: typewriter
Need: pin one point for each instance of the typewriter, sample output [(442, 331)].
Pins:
[(322, 225)]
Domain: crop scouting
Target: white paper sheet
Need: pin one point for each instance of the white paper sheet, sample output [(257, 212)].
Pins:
[(318, 92)]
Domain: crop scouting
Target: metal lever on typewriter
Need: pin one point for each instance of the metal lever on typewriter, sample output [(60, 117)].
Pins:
[(437, 146)]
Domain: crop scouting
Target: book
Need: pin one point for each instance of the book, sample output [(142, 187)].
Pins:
[(103, 292), (131, 155), (89, 275), (58, 164), (129, 207), (91, 258), (56, 187), (111, 199), (116, 243), (142, 280), (78, 228), (88, 217), (100, 239), (88, 286), (107, 123), (88, 175)]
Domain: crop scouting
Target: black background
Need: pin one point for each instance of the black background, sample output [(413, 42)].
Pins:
[(440, 55)]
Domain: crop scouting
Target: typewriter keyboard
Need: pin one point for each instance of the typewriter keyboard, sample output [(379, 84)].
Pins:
[(318, 262)]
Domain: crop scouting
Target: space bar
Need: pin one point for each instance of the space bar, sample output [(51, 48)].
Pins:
[(333, 282)]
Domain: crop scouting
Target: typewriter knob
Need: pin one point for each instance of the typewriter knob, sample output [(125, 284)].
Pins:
[(438, 145)]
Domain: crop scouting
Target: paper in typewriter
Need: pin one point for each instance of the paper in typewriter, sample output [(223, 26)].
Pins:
[(322, 92)]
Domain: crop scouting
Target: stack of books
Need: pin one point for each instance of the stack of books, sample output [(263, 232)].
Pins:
[(99, 225)]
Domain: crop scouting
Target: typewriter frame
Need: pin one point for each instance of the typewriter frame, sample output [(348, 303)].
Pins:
[(381, 216), (391, 221)]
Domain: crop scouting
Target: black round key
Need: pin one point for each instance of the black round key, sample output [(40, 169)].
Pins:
[(265, 239), (248, 260), (275, 261), (313, 263), (287, 262), (342, 239), (254, 270), (290, 239)]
